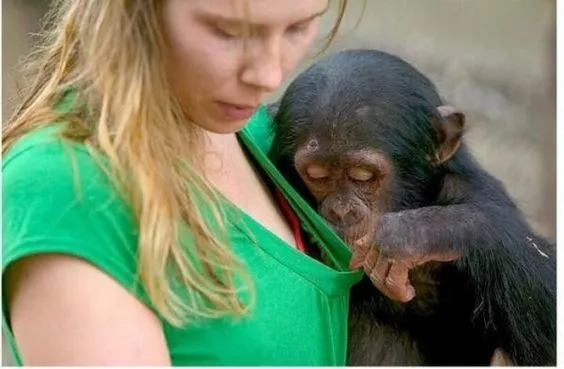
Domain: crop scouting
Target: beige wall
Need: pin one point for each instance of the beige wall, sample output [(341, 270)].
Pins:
[(493, 59)]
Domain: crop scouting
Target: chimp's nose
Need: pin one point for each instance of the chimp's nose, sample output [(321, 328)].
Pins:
[(342, 215)]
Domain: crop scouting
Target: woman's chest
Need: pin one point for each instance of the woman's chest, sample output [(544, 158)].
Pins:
[(291, 322), (240, 181)]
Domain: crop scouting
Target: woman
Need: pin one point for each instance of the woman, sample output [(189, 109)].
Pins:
[(141, 224)]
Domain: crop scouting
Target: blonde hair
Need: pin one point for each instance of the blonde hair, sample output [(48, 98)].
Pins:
[(111, 53)]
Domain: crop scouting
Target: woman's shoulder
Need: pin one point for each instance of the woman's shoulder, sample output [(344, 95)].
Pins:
[(42, 161), (57, 198), (42, 146)]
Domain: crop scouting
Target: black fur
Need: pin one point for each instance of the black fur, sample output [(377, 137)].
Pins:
[(500, 294)]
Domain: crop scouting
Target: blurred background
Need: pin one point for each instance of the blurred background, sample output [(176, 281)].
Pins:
[(495, 60)]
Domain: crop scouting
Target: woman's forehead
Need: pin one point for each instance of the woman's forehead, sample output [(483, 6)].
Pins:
[(259, 12)]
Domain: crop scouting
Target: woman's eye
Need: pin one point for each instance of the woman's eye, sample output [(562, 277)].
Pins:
[(360, 174), (317, 172), (299, 28), (227, 34)]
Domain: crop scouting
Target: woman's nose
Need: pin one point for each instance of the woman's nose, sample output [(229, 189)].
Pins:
[(263, 70)]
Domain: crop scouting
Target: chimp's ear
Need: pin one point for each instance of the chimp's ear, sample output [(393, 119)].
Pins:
[(450, 129)]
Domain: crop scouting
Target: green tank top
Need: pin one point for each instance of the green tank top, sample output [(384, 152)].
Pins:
[(301, 310)]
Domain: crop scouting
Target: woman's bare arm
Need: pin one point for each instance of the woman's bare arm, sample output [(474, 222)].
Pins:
[(65, 311)]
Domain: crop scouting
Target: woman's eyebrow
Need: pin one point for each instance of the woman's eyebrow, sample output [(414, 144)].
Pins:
[(315, 15), (210, 16)]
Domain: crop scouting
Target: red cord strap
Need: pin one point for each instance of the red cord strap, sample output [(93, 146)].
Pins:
[(292, 219)]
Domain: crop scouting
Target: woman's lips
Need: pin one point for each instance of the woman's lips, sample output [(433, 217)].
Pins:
[(235, 111)]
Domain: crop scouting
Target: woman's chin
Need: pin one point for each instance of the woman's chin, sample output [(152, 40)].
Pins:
[(226, 127)]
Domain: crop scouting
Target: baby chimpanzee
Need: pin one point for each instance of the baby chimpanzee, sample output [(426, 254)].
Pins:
[(366, 138)]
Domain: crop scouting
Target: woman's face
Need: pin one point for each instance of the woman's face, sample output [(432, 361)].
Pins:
[(227, 56)]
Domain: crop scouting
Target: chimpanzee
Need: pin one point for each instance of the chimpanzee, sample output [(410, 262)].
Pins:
[(367, 140)]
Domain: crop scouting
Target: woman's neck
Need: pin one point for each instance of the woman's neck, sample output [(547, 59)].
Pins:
[(219, 150), (227, 167)]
